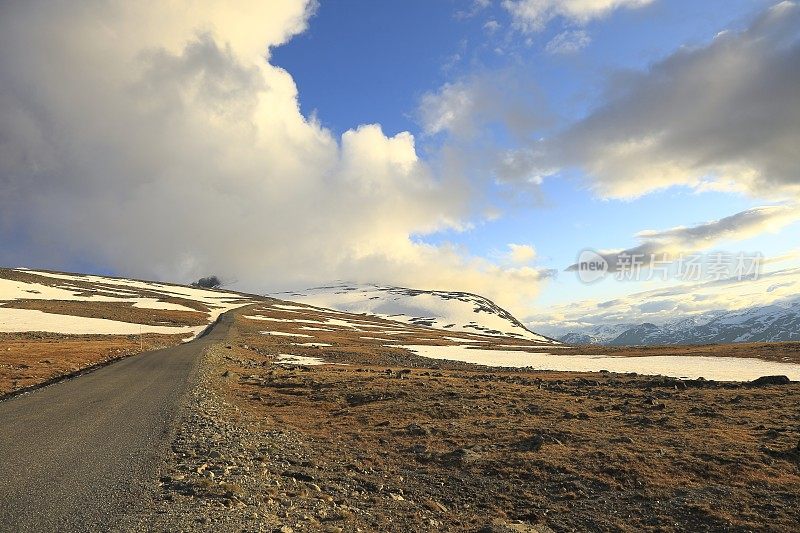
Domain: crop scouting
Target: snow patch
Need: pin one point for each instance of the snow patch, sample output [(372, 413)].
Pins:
[(288, 359), (21, 320), (687, 367), (312, 344)]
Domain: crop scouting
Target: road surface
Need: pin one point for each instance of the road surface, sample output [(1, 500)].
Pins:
[(77, 455)]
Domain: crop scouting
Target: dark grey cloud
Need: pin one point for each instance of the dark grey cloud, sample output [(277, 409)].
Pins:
[(722, 115)]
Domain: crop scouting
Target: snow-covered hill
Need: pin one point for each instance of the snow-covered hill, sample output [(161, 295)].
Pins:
[(772, 323), (455, 311), (56, 302)]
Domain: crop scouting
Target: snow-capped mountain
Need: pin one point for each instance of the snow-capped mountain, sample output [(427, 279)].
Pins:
[(456, 311), (595, 334), (777, 322)]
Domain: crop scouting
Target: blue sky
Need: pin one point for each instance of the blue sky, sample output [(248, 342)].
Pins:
[(369, 62), (365, 62)]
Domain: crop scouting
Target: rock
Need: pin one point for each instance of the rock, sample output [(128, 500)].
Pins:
[(533, 443), (421, 453), (770, 380), (299, 476), (417, 430), (285, 529), (462, 456), (435, 506)]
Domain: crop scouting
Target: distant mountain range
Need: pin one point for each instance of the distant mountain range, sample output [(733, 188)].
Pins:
[(448, 310), (772, 323)]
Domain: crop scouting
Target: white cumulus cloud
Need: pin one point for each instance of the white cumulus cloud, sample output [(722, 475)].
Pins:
[(533, 15), (568, 42), (155, 139), (521, 254)]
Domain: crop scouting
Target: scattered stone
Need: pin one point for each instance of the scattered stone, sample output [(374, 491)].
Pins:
[(417, 430), (434, 505), (462, 456), (533, 443), (770, 380)]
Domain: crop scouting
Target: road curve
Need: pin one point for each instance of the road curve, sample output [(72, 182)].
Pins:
[(77, 455)]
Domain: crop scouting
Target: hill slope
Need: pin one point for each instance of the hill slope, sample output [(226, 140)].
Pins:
[(55, 302), (455, 311)]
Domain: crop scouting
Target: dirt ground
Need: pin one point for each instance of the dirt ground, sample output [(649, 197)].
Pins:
[(28, 359), (427, 445)]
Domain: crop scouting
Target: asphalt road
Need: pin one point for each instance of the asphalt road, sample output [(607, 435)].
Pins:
[(77, 455)]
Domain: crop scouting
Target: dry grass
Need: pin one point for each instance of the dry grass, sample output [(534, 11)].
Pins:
[(782, 352), (28, 359), (573, 451)]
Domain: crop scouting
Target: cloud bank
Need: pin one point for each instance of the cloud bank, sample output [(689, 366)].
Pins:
[(669, 244), (155, 139), (722, 116), (661, 305)]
